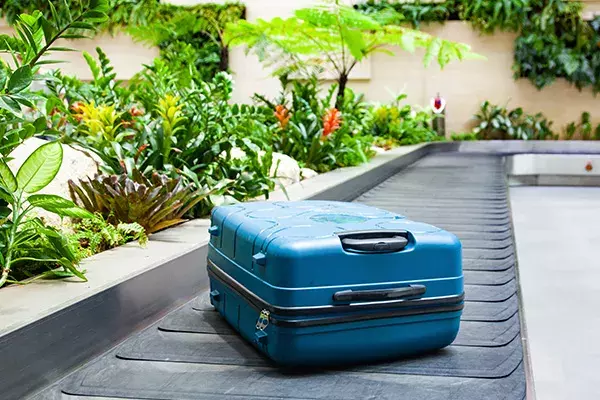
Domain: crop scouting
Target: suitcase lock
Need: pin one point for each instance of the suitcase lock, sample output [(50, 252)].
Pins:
[(260, 336), (263, 320)]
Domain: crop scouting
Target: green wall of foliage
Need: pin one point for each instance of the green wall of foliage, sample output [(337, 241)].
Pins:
[(189, 38), (553, 42)]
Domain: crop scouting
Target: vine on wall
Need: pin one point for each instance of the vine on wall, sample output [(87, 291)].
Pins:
[(189, 38), (554, 40)]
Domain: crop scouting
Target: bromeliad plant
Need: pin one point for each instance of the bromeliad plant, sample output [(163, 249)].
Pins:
[(25, 239), (155, 204), (337, 38)]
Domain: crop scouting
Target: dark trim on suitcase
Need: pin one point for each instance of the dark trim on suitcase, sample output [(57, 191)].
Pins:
[(405, 307)]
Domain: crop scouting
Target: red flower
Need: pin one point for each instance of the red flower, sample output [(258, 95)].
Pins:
[(331, 121), (283, 115)]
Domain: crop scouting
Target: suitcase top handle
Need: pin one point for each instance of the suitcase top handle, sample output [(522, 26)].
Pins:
[(375, 242)]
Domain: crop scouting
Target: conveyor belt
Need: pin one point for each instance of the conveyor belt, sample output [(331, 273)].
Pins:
[(193, 354)]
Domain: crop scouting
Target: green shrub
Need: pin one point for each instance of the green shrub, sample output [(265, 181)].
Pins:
[(582, 129), (394, 124), (553, 42), (306, 126), (498, 123), (467, 136), (190, 38)]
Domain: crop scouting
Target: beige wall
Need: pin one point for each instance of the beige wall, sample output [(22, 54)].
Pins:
[(465, 85)]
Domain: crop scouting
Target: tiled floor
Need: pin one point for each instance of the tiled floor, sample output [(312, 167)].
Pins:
[(557, 233)]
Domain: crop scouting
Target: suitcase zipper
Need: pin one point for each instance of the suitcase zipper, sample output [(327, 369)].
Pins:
[(419, 307)]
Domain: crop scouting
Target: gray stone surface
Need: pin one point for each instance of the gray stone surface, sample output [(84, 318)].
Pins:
[(558, 249)]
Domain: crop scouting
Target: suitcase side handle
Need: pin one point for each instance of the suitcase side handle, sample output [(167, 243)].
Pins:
[(380, 294), (376, 241)]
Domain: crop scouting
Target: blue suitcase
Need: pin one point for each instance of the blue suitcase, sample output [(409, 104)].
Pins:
[(321, 283)]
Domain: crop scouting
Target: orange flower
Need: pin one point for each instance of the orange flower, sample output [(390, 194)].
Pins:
[(283, 115), (77, 109), (136, 112), (331, 121)]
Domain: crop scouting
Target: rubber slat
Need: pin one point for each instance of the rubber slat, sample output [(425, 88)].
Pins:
[(455, 361), (492, 294), (173, 381), (489, 278)]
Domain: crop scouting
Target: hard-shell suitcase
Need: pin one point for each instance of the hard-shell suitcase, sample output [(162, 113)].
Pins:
[(319, 282)]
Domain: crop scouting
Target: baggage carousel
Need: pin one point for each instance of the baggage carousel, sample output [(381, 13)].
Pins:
[(192, 353)]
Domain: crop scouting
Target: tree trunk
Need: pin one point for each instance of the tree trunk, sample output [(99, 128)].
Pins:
[(342, 81), (224, 58)]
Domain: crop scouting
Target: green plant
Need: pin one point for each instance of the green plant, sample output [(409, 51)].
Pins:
[(497, 122), (28, 246), (18, 232), (394, 124), (337, 38), (307, 128), (95, 235), (413, 12), (35, 38), (191, 38), (582, 129), (155, 204), (466, 136), (487, 16), (554, 40)]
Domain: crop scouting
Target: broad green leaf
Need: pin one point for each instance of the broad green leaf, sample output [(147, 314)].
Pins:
[(55, 17), (58, 205), (3, 75), (5, 195), (57, 48), (11, 105), (69, 265), (83, 25), (40, 167), (7, 179), (433, 49), (94, 67), (49, 30), (23, 100), (95, 16), (407, 40), (354, 41), (20, 79), (40, 124), (99, 5), (74, 36), (46, 62)]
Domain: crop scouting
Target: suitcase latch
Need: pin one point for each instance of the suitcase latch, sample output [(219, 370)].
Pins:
[(263, 320)]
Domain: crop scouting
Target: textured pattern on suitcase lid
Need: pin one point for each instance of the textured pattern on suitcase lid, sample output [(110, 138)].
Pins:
[(276, 248)]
